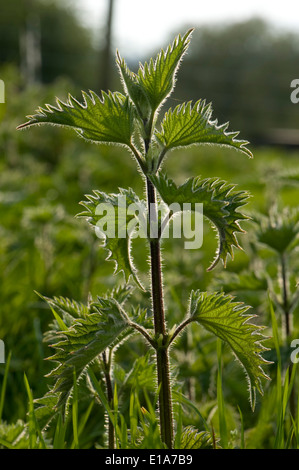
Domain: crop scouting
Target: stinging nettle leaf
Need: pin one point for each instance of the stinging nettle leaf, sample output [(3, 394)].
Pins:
[(104, 327), (106, 120), (65, 312), (220, 206), (187, 125), (101, 324), (157, 78), (133, 88), (193, 439), (279, 230), (118, 244), (230, 322)]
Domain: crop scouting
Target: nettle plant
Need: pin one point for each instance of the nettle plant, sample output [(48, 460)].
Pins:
[(89, 333)]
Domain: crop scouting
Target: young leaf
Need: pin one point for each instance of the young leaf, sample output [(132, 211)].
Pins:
[(280, 230), (117, 237), (120, 293), (133, 88), (187, 125), (157, 79), (220, 206), (106, 120), (228, 320), (65, 312)]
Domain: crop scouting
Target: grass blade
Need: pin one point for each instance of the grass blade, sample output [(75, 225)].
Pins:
[(242, 428), (34, 430), (75, 413), (4, 383), (220, 399), (60, 431)]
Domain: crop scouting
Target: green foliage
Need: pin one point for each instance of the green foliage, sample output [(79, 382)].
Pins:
[(87, 336), (279, 231), (228, 320), (194, 353), (14, 436), (100, 325), (86, 339), (106, 120), (155, 81), (117, 239), (192, 439), (220, 206), (249, 281), (187, 125)]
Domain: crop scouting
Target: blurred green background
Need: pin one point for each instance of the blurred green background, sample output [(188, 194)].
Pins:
[(244, 68)]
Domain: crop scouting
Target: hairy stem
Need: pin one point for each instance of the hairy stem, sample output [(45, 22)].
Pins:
[(180, 328), (162, 352), (138, 158), (109, 390), (143, 332)]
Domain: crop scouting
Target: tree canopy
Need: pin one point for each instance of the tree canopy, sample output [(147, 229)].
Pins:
[(245, 69), (65, 46)]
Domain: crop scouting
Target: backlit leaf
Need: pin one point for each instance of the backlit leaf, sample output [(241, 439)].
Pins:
[(229, 321), (106, 120), (220, 206), (193, 439), (279, 230), (117, 238), (187, 125), (83, 341), (157, 78)]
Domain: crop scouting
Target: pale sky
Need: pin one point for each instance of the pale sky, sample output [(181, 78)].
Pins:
[(143, 25)]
